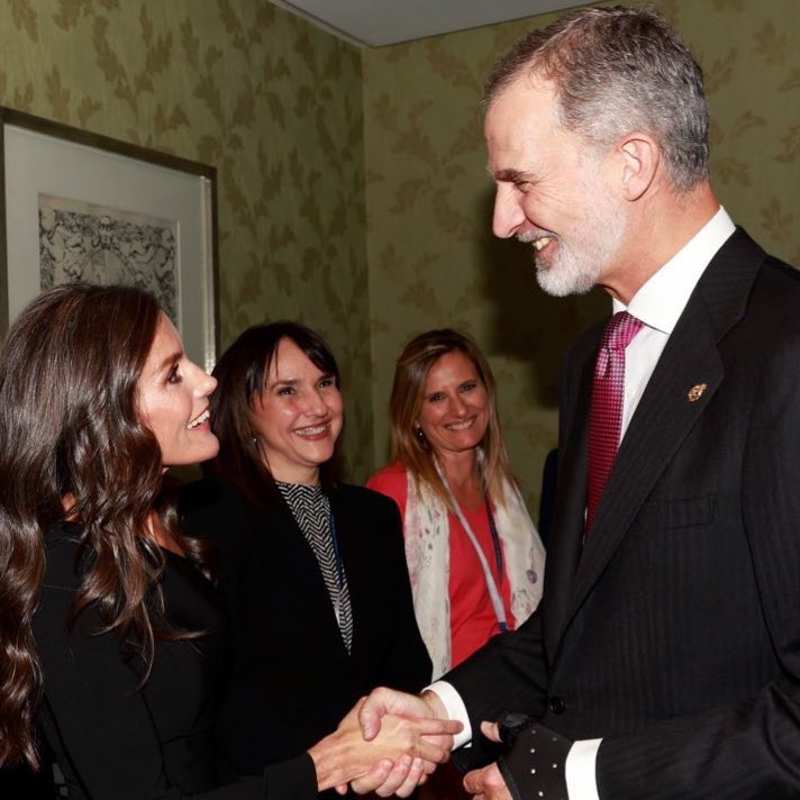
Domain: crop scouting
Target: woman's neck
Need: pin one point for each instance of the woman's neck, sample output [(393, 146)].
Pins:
[(308, 476), (463, 476)]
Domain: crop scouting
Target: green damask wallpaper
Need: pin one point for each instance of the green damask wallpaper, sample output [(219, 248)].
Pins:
[(432, 259), (273, 102), (352, 184)]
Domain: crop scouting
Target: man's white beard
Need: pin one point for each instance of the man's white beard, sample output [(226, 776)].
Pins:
[(567, 274), (576, 267)]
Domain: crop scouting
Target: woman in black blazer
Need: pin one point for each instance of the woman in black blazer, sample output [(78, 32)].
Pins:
[(97, 400), (312, 571)]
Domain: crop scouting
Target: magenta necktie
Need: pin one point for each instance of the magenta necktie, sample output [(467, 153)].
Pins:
[(605, 416)]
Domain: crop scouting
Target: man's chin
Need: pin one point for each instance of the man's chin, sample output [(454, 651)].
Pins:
[(559, 283)]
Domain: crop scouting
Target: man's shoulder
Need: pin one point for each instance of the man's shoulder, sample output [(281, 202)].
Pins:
[(775, 297), (778, 276), (742, 260), (756, 316)]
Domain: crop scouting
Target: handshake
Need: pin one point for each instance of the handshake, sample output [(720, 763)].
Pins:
[(390, 743)]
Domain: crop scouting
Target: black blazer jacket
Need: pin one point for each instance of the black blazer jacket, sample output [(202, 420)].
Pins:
[(292, 679), (674, 633), (115, 739)]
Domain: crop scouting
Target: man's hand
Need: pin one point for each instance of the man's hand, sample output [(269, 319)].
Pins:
[(384, 701), (394, 759), (491, 731), (406, 774), (487, 784)]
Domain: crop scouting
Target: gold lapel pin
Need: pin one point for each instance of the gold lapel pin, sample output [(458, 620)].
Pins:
[(697, 391)]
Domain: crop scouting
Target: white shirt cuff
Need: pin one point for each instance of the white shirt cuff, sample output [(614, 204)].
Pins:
[(455, 708), (581, 770)]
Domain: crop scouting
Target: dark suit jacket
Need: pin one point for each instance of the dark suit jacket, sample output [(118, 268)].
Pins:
[(675, 634), (292, 679)]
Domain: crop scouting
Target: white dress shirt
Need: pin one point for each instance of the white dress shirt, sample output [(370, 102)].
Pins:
[(659, 304)]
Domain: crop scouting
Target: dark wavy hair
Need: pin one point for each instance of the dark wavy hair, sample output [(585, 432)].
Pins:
[(73, 448), (241, 373)]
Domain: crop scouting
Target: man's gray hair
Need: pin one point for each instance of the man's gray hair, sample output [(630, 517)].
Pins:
[(618, 70)]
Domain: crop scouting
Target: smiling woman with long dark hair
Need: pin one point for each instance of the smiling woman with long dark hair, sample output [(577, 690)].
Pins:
[(312, 568), (98, 399)]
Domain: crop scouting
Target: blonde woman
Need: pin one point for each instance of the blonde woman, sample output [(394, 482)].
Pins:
[(474, 556)]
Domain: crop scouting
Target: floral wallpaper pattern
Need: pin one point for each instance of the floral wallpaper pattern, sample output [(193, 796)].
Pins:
[(271, 101), (352, 186)]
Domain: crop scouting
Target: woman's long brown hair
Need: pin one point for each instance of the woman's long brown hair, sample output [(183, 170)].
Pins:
[(70, 429), (409, 446)]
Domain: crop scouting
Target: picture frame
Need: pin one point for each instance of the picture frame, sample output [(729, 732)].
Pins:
[(75, 205)]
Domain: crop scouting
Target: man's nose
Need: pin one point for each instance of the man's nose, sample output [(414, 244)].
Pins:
[(508, 214)]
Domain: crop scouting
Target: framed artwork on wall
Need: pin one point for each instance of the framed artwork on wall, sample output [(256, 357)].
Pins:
[(76, 206)]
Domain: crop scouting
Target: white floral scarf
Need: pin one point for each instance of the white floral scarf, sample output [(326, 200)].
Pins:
[(427, 543)]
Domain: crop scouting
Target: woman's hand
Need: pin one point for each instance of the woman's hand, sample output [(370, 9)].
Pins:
[(345, 755)]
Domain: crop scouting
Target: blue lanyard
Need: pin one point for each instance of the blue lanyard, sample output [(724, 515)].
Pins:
[(491, 585)]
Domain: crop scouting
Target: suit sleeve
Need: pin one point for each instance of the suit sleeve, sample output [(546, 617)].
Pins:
[(507, 674), (510, 672), (751, 750)]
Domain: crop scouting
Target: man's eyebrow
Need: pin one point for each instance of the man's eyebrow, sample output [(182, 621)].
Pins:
[(511, 176)]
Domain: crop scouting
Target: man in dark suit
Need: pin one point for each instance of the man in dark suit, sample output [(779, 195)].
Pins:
[(664, 659)]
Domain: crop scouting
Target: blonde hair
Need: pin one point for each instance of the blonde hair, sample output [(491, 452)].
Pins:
[(409, 445)]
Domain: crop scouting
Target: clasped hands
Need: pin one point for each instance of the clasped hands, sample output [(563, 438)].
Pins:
[(386, 746), (409, 736)]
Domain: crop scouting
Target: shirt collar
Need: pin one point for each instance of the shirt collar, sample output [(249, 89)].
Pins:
[(661, 299)]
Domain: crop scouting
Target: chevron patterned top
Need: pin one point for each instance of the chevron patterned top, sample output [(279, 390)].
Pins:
[(311, 510)]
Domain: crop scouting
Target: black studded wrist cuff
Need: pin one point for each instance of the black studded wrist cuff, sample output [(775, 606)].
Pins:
[(534, 769)]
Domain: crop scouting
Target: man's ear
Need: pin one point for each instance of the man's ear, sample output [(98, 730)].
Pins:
[(640, 159)]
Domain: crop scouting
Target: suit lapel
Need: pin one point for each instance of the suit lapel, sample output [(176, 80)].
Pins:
[(662, 420), (665, 415)]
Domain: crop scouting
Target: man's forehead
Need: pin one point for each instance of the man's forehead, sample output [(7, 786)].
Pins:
[(521, 106), (520, 122)]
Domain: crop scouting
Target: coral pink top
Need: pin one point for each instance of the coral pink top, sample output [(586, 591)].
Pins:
[(472, 617)]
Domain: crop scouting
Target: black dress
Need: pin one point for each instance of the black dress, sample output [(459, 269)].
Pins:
[(114, 740), (294, 676)]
